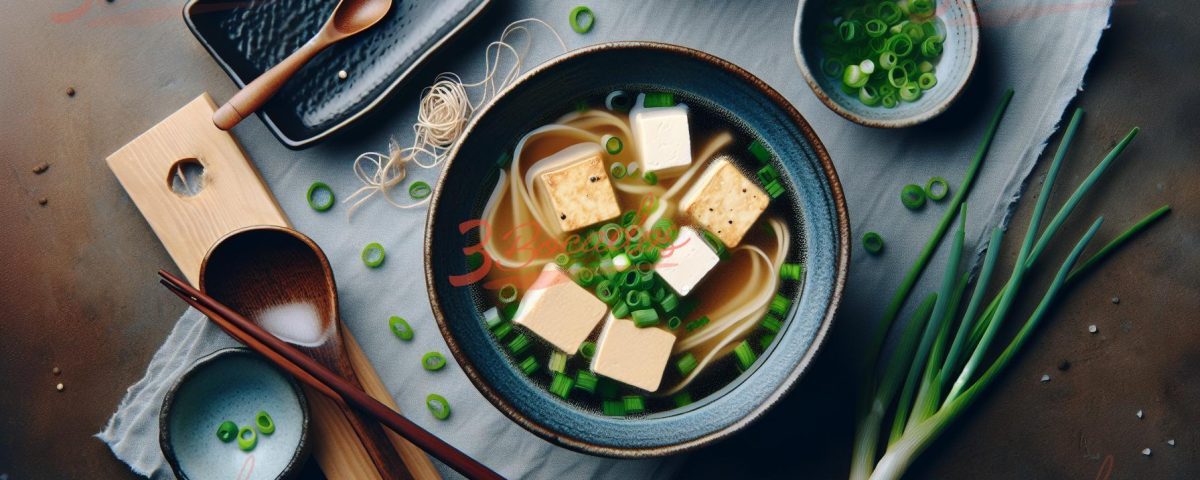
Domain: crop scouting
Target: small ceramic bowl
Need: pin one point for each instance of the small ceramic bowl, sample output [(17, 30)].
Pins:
[(953, 69), (233, 384), (532, 101)]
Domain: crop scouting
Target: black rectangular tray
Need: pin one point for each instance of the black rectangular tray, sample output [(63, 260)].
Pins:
[(246, 38)]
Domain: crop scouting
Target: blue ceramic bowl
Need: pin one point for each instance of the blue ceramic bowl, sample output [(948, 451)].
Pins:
[(537, 97), (233, 384), (953, 70)]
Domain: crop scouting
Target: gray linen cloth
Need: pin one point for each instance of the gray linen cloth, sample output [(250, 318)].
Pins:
[(1039, 47)]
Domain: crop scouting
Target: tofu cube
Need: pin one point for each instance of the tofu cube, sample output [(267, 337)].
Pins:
[(724, 202), (559, 311), (631, 355), (663, 139), (686, 261), (577, 184)]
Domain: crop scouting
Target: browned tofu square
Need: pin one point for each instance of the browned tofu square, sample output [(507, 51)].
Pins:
[(579, 190), (725, 202)]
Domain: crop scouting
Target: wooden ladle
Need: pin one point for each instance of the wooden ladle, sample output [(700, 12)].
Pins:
[(282, 281), (349, 17)]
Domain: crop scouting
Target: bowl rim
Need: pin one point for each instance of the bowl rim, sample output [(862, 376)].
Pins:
[(972, 15), (168, 403), (841, 267)]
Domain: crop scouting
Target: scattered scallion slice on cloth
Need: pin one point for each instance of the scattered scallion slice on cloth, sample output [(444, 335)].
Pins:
[(373, 255), (872, 242), (419, 190), (936, 377), (937, 188), (320, 196), (912, 196), (438, 406), (264, 423), (247, 439), (401, 328), (433, 361), (582, 19)]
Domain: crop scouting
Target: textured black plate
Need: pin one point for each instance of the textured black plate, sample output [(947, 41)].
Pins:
[(247, 38)]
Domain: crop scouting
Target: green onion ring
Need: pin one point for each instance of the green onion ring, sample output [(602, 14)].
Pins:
[(264, 423), (872, 242), (227, 431), (373, 255), (401, 328), (587, 350), (438, 406), (612, 144), (617, 170), (937, 188), (650, 178), (582, 14), (433, 361), (325, 202), (912, 196), (247, 443), (508, 293), (419, 190)]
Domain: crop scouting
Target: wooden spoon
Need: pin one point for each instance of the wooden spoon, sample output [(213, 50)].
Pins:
[(282, 281), (349, 17)]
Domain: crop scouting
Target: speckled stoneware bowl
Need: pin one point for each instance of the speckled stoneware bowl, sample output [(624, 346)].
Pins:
[(233, 384), (953, 69), (548, 91)]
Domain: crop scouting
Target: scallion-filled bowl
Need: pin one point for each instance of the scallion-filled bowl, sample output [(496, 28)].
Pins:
[(636, 261)]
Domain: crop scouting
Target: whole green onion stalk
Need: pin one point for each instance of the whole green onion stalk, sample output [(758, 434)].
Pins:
[(931, 377)]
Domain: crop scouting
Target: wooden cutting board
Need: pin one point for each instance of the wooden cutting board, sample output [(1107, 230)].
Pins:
[(230, 195)]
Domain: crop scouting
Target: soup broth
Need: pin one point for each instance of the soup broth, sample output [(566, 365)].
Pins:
[(717, 328)]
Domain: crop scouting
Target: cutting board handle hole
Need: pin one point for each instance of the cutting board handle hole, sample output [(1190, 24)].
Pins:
[(186, 177)]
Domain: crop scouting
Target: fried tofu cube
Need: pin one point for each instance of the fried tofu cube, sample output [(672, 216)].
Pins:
[(663, 139), (725, 202), (631, 355), (578, 187), (558, 310), (686, 261)]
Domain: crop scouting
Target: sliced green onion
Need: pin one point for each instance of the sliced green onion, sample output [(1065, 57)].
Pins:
[(586, 381), (745, 355), (400, 327), (438, 406), (850, 31), (502, 330), (868, 95), (617, 170), (558, 362), (937, 188), (620, 310), (613, 408), (227, 431), (650, 178), (582, 19), (910, 91), (247, 438), (888, 60), (419, 190), (634, 404), (715, 244), (926, 81), (320, 196), (491, 318), (897, 76), (587, 350), (562, 260), (645, 318), (912, 196), (759, 151), (875, 27), (854, 77), (900, 44), (612, 144), (585, 277), (509, 311), (697, 324), (889, 101), (669, 302), (889, 12), (771, 324), (931, 47), (561, 385), (682, 399), (765, 341), (519, 344), (674, 322), (607, 292), (508, 293), (264, 423), (373, 255), (618, 101), (791, 271), (872, 242), (780, 305), (433, 361), (774, 189), (658, 99), (686, 363), (529, 365), (767, 173), (926, 67), (832, 68)]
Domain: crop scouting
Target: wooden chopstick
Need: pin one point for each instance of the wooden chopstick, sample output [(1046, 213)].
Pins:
[(308, 370)]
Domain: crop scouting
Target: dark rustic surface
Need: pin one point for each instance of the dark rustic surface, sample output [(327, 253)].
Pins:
[(69, 300)]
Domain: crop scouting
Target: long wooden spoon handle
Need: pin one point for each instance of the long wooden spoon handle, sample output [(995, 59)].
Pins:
[(375, 440), (256, 94)]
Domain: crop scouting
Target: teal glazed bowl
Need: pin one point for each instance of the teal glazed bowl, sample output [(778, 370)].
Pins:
[(953, 70), (233, 384), (539, 96)]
